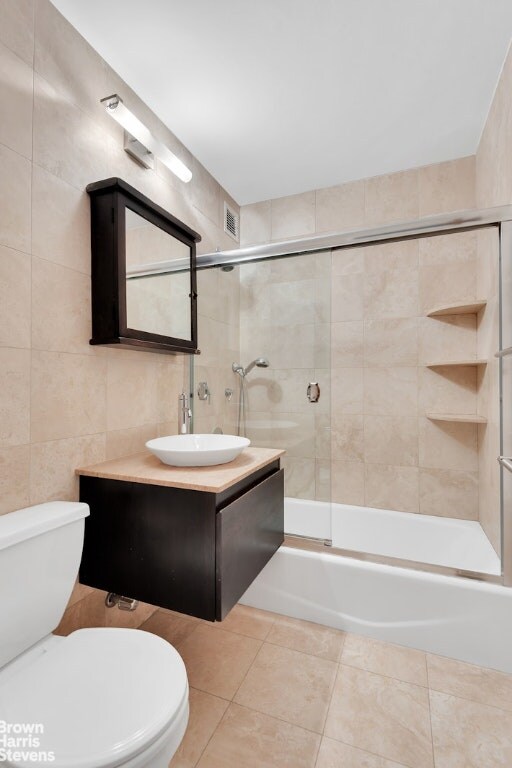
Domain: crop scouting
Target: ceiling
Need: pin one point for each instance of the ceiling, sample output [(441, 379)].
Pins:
[(276, 97)]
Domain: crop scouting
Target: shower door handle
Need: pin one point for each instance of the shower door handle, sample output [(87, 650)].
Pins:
[(313, 392)]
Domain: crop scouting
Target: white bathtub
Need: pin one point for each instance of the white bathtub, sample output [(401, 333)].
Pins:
[(452, 616), (460, 544)]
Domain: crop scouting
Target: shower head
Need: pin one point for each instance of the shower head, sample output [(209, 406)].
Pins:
[(260, 362)]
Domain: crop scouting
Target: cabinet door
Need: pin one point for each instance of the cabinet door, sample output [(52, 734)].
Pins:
[(249, 531)]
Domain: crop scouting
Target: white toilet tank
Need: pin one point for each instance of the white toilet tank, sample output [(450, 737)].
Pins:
[(40, 551)]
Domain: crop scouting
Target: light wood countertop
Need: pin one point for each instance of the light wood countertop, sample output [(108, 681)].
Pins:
[(146, 468)]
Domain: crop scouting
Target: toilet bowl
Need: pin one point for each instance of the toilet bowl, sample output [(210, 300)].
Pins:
[(98, 698)]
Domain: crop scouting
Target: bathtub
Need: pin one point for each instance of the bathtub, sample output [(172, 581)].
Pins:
[(448, 542), (452, 616)]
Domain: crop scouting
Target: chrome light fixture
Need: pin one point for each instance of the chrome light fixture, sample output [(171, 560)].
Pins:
[(140, 142)]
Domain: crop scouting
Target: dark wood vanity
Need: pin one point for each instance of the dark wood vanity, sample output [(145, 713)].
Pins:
[(190, 539)]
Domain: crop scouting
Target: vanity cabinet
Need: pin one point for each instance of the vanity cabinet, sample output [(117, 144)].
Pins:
[(189, 550)]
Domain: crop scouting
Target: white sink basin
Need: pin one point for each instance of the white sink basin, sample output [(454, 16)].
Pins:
[(197, 450)]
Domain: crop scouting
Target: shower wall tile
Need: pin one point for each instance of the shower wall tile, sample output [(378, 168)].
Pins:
[(323, 480), (446, 187), (451, 337), (391, 391), (347, 297), (340, 208), (347, 437), (255, 223), (447, 390), (448, 445), (15, 203), (284, 389), (451, 283), (16, 90), (293, 268), (293, 347), (402, 255), (347, 344), (348, 261), (390, 294), (392, 197), (391, 342), (376, 339), (347, 390), (15, 307), (449, 493), (391, 487), (391, 440), (441, 250), (323, 435), (299, 477), (347, 482), (295, 432), (292, 303), (293, 216), (17, 28)]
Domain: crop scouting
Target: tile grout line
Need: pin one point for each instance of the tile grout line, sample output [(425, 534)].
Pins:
[(430, 713), (214, 730)]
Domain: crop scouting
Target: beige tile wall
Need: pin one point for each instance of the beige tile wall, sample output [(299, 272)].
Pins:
[(384, 451), (285, 316), (409, 194), (493, 188), (62, 402)]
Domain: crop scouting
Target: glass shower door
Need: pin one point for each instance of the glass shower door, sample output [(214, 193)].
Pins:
[(285, 319)]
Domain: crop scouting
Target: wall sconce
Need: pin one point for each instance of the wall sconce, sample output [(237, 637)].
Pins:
[(139, 141)]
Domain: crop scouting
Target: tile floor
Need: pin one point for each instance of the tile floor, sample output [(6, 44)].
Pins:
[(267, 691)]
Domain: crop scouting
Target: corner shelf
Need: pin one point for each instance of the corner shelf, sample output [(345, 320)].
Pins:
[(457, 309), (453, 363), (457, 417)]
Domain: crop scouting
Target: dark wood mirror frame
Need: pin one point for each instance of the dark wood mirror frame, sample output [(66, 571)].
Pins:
[(109, 200)]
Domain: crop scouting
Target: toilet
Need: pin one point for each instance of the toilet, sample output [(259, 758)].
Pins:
[(99, 698)]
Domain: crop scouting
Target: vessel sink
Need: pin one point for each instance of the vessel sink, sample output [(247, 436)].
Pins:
[(197, 450)]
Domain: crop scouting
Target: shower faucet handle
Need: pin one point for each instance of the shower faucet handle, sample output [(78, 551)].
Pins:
[(313, 391)]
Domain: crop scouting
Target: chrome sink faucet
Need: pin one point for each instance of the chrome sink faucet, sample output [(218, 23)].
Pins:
[(184, 414)]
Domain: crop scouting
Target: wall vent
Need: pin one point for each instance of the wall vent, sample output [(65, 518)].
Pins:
[(231, 222)]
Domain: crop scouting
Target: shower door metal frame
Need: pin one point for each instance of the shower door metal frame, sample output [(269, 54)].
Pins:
[(459, 221)]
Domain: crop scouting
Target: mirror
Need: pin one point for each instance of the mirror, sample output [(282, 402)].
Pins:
[(156, 302), (143, 272)]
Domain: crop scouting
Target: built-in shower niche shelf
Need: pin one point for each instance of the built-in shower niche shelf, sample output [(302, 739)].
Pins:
[(465, 418), (457, 309), (453, 363)]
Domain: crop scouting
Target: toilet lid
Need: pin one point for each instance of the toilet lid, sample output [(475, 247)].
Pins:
[(99, 697)]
